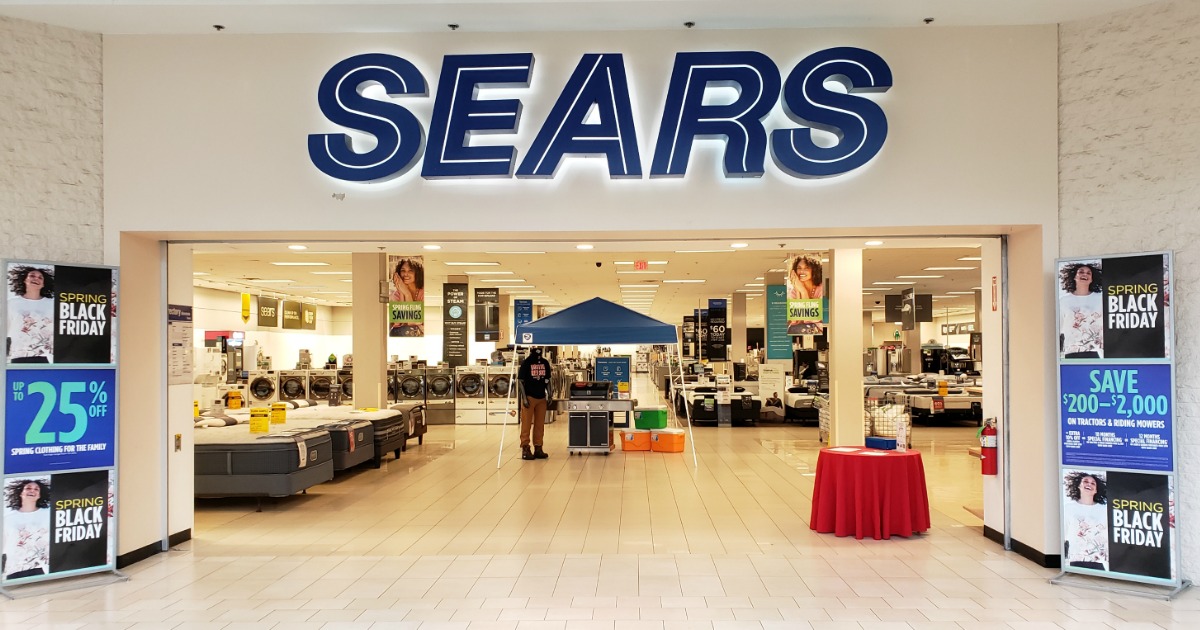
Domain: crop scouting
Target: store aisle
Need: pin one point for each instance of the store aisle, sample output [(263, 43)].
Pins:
[(442, 539)]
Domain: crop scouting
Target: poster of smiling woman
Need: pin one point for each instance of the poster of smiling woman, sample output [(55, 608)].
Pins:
[(805, 295), (60, 313)]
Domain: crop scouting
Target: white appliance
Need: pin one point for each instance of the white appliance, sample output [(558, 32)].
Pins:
[(470, 394), (321, 383), (502, 384), (439, 395), (293, 384), (262, 387)]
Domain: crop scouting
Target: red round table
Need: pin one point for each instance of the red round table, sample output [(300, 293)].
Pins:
[(869, 493)]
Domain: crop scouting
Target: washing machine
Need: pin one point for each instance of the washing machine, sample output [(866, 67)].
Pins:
[(393, 388), (470, 394), (439, 395), (345, 379), (502, 384), (262, 387), (293, 384), (410, 385), (321, 383)]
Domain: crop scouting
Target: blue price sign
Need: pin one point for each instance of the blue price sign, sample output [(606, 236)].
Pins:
[(59, 420), (1116, 416)]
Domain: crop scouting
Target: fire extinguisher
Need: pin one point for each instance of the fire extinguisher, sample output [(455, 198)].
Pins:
[(988, 456)]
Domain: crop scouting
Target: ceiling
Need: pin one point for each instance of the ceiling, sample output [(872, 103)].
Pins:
[(361, 16), (564, 275)]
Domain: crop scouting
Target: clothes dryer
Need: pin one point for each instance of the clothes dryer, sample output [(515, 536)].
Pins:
[(346, 384), (262, 387), (293, 384), (410, 385), (439, 395), (321, 383), (470, 394), (502, 386)]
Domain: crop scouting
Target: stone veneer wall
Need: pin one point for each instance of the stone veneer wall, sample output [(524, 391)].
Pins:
[(51, 143), (1129, 181)]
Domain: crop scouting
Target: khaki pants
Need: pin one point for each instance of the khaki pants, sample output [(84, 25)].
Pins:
[(533, 416)]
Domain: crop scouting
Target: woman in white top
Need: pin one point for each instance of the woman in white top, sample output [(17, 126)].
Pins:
[(1085, 521), (30, 315), (1081, 311), (26, 528)]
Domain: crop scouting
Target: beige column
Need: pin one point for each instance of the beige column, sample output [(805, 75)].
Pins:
[(369, 292), (844, 277), (736, 326)]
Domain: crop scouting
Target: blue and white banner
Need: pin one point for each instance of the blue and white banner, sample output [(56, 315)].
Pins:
[(522, 312), (1116, 386)]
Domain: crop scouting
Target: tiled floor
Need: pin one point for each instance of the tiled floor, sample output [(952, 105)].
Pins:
[(442, 539)]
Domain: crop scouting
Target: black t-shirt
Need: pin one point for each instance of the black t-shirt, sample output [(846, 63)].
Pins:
[(535, 376)]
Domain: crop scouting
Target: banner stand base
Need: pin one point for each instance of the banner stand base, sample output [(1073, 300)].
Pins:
[(1079, 580), (37, 589)]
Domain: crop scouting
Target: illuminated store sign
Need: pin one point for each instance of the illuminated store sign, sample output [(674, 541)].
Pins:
[(593, 116)]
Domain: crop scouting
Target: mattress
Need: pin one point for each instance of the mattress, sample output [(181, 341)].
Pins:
[(353, 441), (416, 424), (230, 461)]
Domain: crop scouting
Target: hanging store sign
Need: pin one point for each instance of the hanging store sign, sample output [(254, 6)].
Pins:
[(454, 323), (268, 312), (594, 115), (718, 331), (487, 314), (522, 312), (779, 344), (689, 335)]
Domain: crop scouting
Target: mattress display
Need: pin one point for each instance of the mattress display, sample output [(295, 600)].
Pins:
[(230, 461), (744, 409), (415, 420), (353, 442)]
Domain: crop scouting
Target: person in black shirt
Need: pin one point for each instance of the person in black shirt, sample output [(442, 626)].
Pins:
[(534, 376)]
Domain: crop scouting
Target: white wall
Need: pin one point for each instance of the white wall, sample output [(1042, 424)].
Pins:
[(51, 143), (972, 112), (1130, 153)]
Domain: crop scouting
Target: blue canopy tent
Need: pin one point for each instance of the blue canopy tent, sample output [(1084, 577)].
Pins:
[(597, 321)]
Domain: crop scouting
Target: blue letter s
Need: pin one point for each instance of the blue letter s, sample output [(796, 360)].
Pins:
[(396, 130), (859, 124)]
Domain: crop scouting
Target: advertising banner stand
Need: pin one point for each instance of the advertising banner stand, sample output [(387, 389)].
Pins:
[(59, 466), (1117, 473)]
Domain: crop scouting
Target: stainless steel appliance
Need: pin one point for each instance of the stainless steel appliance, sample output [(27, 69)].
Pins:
[(470, 395), (410, 385), (439, 395), (293, 384), (321, 384), (501, 395)]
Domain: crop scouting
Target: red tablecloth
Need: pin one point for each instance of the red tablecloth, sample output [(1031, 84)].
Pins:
[(869, 493)]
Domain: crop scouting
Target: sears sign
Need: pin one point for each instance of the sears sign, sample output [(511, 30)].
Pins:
[(593, 116)]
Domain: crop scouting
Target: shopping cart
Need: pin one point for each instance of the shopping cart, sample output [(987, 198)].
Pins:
[(886, 419)]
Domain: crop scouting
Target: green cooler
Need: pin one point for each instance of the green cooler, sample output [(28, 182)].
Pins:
[(654, 417)]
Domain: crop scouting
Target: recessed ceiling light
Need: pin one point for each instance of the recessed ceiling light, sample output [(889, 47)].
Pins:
[(331, 273), (754, 284), (200, 273), (739, 245), (431, 247), (639, 286), (297, 247), (971, 258), (270, 281), (873, 243), (625, 291), (776, 270), (523, 291), (583, 246), (920, 277), (322, 253), (488, 273), (759, 291), (961, 292), (514, 252), (330, 292), (471, 264), (502, 279), (949, 268), (300, 264), (760, 278), (893, 283), (976, 288), (516, 286), (683, 282), (703, 251)]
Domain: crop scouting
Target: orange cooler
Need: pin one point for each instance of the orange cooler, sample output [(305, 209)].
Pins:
[(667, 440), (635, 440)]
